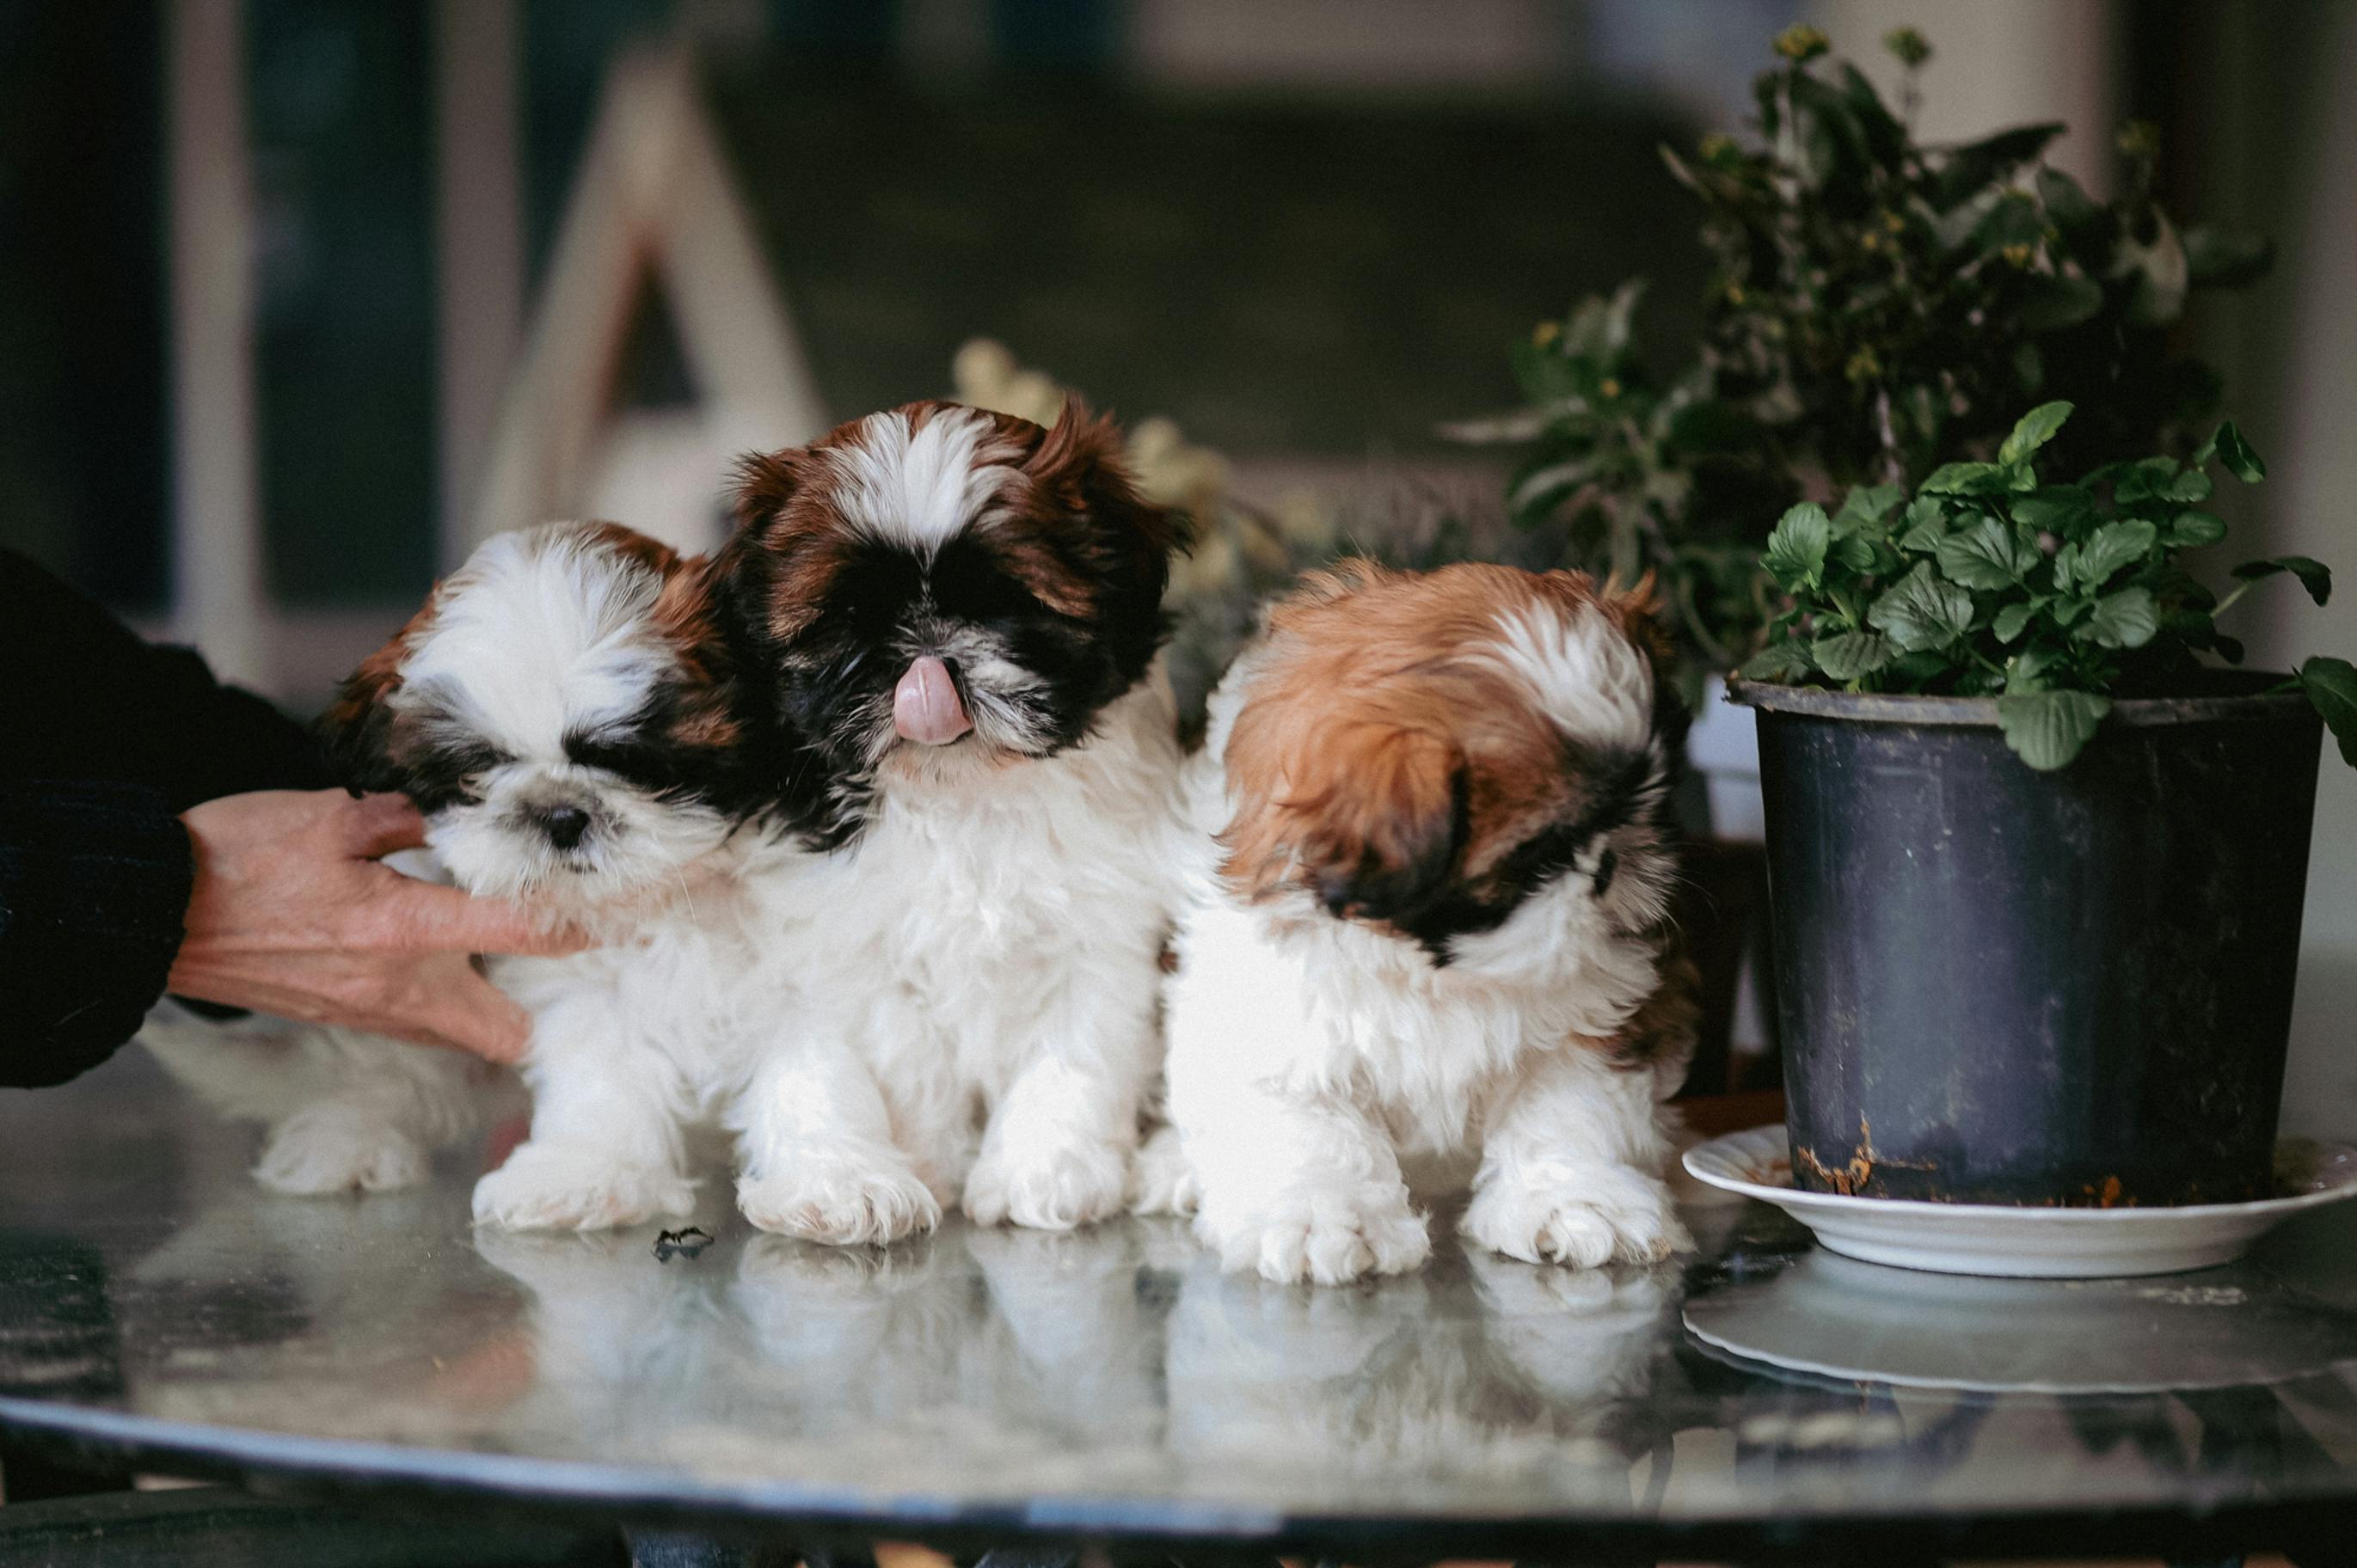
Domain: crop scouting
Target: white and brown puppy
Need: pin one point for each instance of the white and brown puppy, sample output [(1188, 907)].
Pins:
[(562, 713), (962, 611), (1425, 932)]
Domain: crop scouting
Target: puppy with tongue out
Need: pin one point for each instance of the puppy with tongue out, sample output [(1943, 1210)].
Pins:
[(926, 707), (960, 611)]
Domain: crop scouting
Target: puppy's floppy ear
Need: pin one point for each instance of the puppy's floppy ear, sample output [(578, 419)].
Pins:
[(769, 576), (357, 729), (766, 481), (1079, 467), (1368, 813)]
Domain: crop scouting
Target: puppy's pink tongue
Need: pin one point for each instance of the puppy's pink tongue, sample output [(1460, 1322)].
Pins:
[(925, 706)]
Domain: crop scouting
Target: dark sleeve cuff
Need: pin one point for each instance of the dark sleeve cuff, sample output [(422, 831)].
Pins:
[(95, 885)]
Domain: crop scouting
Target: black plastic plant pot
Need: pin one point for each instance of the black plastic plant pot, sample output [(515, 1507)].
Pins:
[(1998, 986)]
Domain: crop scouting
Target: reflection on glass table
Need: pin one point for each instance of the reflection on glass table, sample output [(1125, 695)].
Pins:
[(1764, 1399)]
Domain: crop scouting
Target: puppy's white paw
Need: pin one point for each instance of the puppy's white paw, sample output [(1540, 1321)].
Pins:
[(553, 1188), (330, 1148), (1325, 1236), (1161, 1181), (1049, 1187), (841, 1203), (1585, 1218)]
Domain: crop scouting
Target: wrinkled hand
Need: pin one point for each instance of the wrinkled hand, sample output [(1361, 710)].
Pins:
[(294, 916)]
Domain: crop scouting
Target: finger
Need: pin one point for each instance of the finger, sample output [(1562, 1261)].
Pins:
[(424, 916), (377, 825), (474, 1016)]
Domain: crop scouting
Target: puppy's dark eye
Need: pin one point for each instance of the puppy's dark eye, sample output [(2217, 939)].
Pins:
[(465, 758), (606, 753), (971, 583)]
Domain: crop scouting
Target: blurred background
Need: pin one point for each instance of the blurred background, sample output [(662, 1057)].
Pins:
[(301, 298)]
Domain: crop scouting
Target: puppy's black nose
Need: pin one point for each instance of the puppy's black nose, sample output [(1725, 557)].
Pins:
[(563, 825)]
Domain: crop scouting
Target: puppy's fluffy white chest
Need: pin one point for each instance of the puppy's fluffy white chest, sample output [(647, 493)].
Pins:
[(979, 902), (682, 984)]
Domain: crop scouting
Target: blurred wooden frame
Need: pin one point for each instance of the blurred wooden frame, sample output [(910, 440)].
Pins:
[(656, 203)]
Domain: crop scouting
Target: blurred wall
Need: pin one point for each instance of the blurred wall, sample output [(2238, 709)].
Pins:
[(2272, 98), (1997, 63)]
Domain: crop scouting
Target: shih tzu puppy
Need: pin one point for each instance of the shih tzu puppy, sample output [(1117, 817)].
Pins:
[(1425, 932), (563, 713), (960, 611)]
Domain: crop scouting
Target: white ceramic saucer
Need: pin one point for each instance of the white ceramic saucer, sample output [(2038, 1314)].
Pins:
[(2025, 1244)]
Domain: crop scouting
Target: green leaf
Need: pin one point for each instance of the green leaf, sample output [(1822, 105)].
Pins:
[(2034, 430), (2064, 299), (1979, 556), (2066, 203), (1922, 613), (2026, 670), (1909, 671), (2112, 546), (1795, 555), (1777, 662), (2192, 530), (2314, 575), (2013, 620), (1855, 550), (1927, 525), (2015, 221), (2125, 619), (2144, 479), (1964, 479), (1537, 491), (2241, 461), (2332, 686), (2047, 729), (2056, 509), (1849, 655), (1543, 374), (2214, 259), (2192, 485), (1968, 169), (1866, 505)]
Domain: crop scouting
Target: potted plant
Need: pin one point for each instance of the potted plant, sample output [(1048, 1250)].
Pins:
[(2036, 869), (1875, 308)]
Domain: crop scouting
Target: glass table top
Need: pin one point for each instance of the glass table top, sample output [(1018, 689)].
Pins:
[(153, 1298)]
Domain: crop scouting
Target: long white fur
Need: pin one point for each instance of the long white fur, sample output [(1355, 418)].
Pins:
[(1317, 1067), (919, 486), (979, 1024), (544, 633)]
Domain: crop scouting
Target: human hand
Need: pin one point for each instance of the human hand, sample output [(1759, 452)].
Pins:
[(294, 914)]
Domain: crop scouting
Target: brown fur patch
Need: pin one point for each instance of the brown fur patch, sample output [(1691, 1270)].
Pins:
[(1369, 741), (687, 615), (1394, 767), (348, 723), (1069, 500)]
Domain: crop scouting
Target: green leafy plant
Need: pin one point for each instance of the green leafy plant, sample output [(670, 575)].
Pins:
[(1875, 309), (2053, 598)]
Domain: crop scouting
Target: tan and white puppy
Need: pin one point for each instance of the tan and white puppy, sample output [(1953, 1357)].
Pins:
[(1423, 935), (960, 611)]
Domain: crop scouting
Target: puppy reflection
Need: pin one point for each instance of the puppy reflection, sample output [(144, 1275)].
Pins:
[(1479, 1367), (997, 1350)]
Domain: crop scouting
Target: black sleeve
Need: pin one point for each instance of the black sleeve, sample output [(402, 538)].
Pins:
[(81, 697), (104, 741), (94, 878)]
